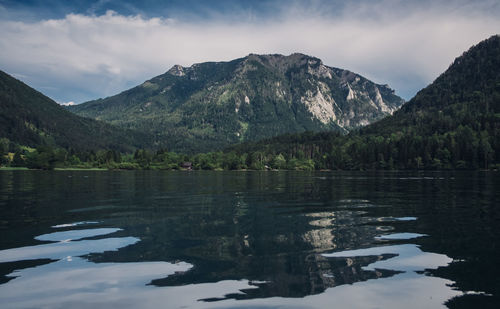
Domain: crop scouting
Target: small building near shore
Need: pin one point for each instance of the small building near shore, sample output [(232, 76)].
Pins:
[(187, 165)]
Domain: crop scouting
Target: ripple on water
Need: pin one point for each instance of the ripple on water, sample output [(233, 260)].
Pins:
[(76, 234), (399, 236), (74, 224)]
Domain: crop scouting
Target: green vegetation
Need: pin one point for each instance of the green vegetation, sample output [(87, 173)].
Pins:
[(452, 124), (29, 118), (210, 106), (47, 158)]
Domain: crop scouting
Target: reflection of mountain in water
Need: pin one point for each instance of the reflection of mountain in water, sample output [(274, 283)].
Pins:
[(274, 229), (273, 239)]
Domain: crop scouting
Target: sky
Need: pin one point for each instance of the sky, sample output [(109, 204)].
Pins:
[(80, 50)]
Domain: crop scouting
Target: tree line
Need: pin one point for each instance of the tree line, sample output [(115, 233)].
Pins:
[(463, 148)]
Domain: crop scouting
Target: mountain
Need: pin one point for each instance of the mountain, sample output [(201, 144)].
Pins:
[(467, 94), (211, 105), (454, 123), (28, 117)]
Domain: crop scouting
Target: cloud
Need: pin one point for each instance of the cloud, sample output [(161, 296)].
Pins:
[(90, 56), (70, 103)]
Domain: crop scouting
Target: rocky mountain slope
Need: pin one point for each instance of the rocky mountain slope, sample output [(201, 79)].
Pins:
[(211, 105)]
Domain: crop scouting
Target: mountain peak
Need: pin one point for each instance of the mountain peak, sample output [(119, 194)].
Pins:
[(282, 61), (490, 44), (177, 70), (216, 104)]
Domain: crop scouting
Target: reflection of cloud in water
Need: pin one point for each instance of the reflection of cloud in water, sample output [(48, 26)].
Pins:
[(406, 218), (61, 250), (73, 281), (76, 234), (353, 201), (393, 219), (74, 224), (66, 247), (408, 257), (399, 236), (80, 283), (126, 290)]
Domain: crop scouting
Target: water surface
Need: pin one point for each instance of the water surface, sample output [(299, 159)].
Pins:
[(82, 239)]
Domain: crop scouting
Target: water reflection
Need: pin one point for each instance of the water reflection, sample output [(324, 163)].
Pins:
[(76, 234), (77, 283), (399, 236), (58, 226), (64, 279), (62, 249), (242, 239), (405, 258)]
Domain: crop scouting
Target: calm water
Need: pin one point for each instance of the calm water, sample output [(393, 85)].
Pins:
[(249, 239)]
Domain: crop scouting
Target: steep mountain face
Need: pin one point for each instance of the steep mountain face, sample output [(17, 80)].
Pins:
[(466, 94), (28, 117), (211, 105)]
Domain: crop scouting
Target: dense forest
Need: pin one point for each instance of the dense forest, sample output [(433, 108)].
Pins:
[(29, 118), (454, 123)]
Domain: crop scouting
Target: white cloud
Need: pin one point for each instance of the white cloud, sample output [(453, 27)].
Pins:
[(87, 57), (70, 103)]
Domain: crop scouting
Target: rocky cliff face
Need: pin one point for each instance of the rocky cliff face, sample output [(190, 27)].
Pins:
[(211, 105)]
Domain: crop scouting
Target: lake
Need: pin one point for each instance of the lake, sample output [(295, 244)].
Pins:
[(151, 239)]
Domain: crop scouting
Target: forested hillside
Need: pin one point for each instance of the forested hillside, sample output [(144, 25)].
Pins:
[(452, 123), (212, 105), (29, 118)]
